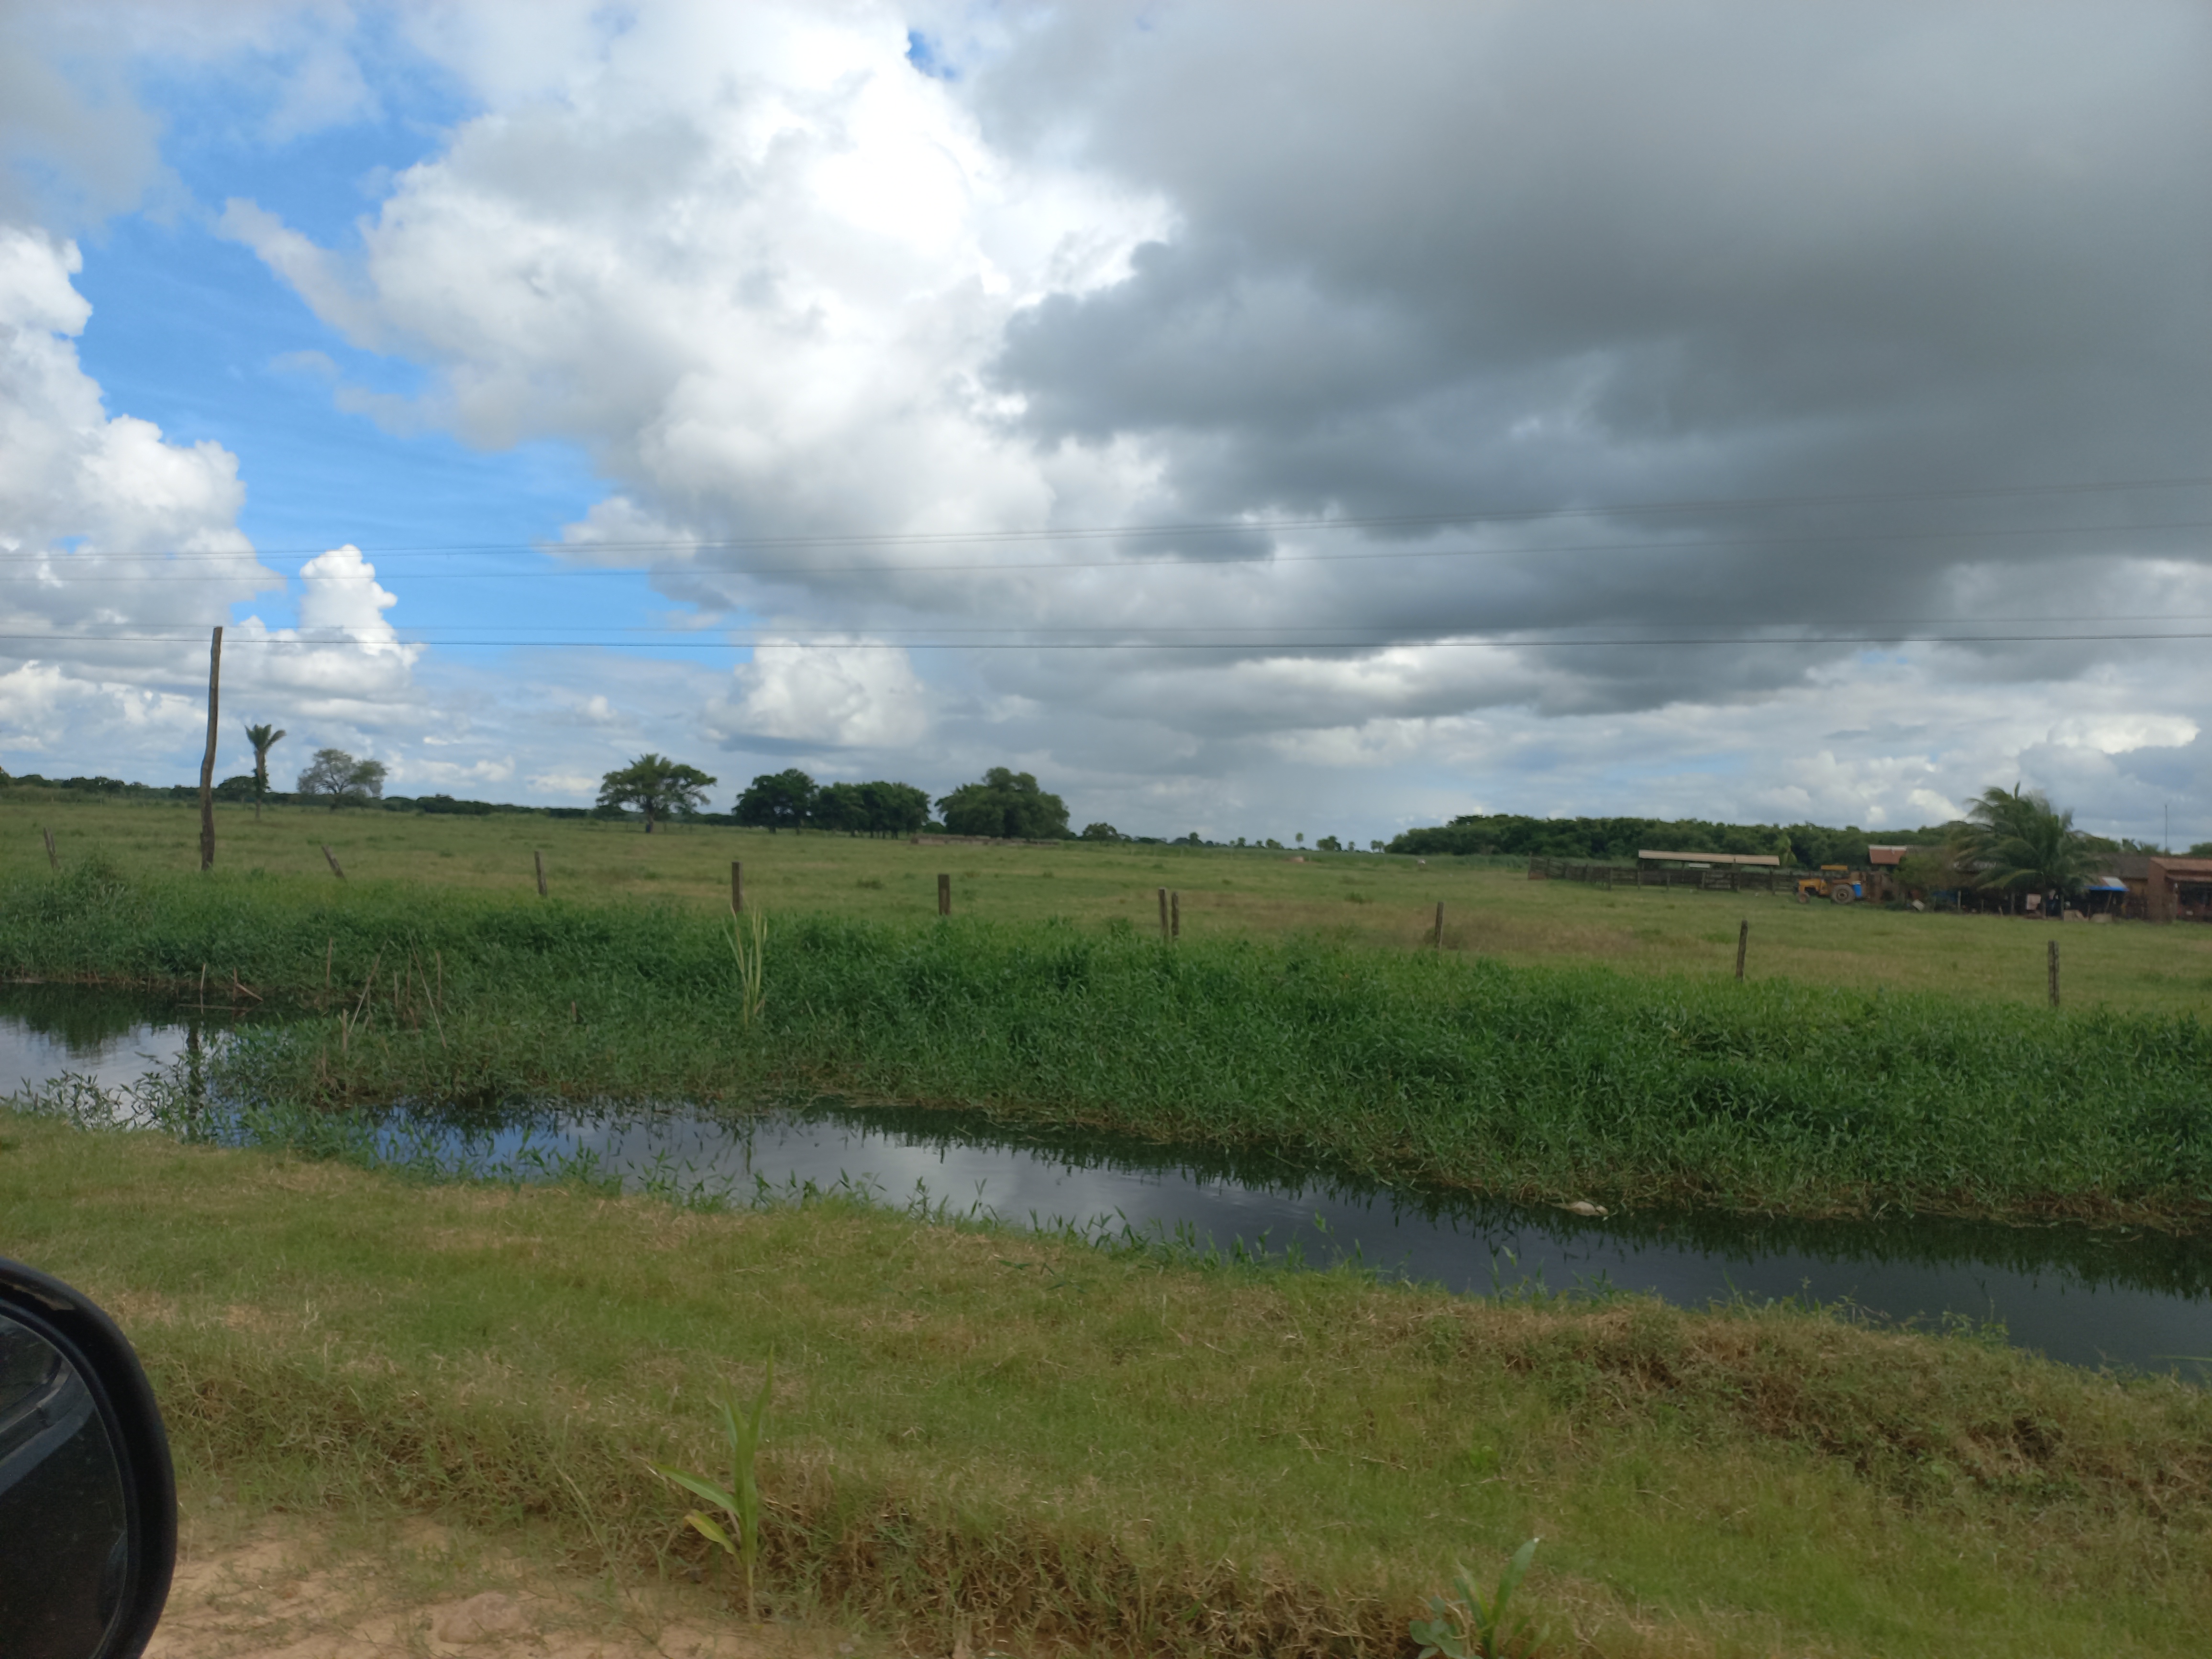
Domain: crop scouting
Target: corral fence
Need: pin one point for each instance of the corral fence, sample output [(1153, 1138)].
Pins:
[(1738, 879)]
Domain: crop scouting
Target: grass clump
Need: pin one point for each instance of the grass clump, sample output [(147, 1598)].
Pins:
[(740, 1501), (1466, 1625)]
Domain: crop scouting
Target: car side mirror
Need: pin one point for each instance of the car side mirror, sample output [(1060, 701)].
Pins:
[(88, 1495)]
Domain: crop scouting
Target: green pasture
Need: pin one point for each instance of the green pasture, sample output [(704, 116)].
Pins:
[(1546, 1081), (987, 1441), (1387, 902)]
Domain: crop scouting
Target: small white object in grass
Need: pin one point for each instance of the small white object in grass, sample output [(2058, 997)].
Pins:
[(1584, 1206)]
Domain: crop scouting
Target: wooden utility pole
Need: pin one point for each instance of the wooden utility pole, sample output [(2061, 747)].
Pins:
[(1175, 916), (207, 760), (736, 888), (1163, 916), (1440, 925), (2054, 973), (332, 860), (540, 858), (1743, 945), (945, 896)]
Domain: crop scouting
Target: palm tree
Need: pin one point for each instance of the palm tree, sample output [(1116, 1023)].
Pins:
[(264, 738), (2014, 841)]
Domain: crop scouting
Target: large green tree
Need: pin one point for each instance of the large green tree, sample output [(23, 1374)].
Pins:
[(2014, 841), (894, 809), (778, 800), (264, 738), (882, 808), (1006, 803), (657, 786), (839, 806), (342, 780)]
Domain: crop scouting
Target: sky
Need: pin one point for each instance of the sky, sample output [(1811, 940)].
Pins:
[(1252, 419)]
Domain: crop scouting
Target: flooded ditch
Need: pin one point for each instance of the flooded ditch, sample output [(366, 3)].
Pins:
[(2087, 1297)]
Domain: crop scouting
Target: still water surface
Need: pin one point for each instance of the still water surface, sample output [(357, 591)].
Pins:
[(2086, 1296)]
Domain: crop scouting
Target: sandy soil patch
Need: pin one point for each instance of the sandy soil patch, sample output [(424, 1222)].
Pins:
[(282, 1590)]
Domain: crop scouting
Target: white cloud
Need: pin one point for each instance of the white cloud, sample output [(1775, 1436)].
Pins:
[(1934, 808), (846, 694), (122, 549), (448, 775), (748, 257), (565, 783), (345, 661), (71, 473), (73, 141), (2117, 733), (119, 547)]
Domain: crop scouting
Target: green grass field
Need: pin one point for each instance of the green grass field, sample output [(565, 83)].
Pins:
[(998, 1439), (989, 1437), (1543, 1083), (1299, 1013), (1352, 898)]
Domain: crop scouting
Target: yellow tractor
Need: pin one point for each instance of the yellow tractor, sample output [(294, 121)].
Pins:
[(1833, 883)]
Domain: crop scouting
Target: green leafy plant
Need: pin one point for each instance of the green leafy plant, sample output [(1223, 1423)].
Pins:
[(1468, 1627), (752, 954), (740, 1501)]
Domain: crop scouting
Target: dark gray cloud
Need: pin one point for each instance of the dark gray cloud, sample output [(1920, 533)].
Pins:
[(1446, 257)]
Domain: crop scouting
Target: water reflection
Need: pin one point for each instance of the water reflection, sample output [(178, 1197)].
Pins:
[(113, 1037), (2132, 1298)]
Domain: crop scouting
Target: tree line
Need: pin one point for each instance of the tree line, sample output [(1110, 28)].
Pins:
[(2011, 841), (1003, 803), (1805, 846)]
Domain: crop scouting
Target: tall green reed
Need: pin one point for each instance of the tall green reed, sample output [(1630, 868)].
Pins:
[(751, 954)]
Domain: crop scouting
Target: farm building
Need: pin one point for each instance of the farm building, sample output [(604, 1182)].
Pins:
[(1707, 860), (2162, 888)]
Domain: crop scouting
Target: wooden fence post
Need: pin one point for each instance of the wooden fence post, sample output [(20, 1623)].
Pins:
[(332, 858), (945, 896), (736, 888), (1174, 915), (1743, 945), (540, 858), (52, 857), (2054, 973), (1163, 916), (207, 760), (1440, 924)]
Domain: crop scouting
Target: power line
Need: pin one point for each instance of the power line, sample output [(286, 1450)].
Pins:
[(1259, 561), (437, 633), (440, 633), (791, 640), (1216, 527)]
